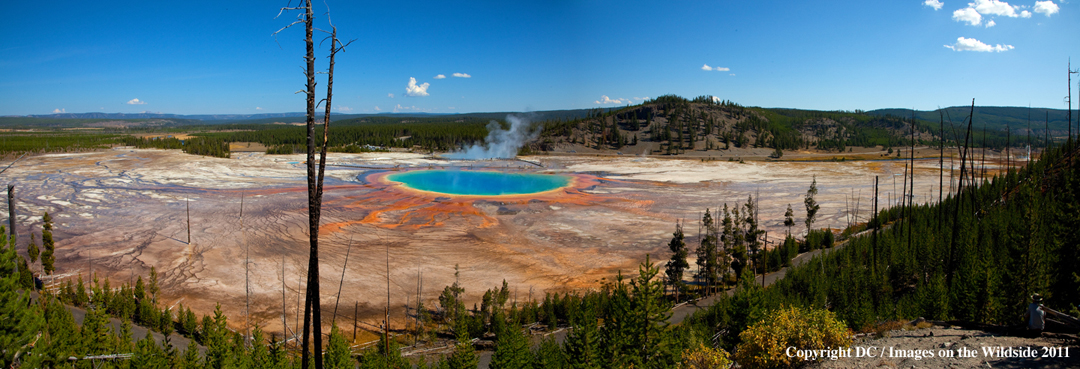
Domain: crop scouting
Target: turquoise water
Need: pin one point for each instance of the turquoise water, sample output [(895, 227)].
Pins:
[(479, 183)]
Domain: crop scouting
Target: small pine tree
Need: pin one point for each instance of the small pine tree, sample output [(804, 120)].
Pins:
[(789, 220), (48, 258), (33, 249), (812, 206), (677, 264), (337, 351), (511, 350)]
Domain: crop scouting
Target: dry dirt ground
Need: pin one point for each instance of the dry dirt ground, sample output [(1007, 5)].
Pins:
[(121, 211)]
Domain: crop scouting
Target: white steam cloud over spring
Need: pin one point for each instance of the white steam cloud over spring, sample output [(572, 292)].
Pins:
[(500, 143)]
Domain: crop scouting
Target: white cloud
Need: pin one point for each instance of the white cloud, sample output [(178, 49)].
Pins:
[(718, 69), (607, 100), (462, 75), (391, 95), (936, 4), (258, 108), (400, 108), (441, 76), (968, 15), (990, 23), (732, 74), (994, 7), (1025, 14), (1046, 7), (377, 108), (344, 109), (641, 98), (970, 44), (136, 102), (59, 111), (416, 90), (715, 99)]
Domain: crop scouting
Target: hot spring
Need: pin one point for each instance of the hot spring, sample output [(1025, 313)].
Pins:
[(479, 183)]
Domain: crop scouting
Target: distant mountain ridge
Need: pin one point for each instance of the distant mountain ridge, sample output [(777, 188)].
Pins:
[(994, 117), (300, 116)]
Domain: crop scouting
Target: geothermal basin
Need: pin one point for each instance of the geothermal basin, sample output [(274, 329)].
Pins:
[(566, 226)]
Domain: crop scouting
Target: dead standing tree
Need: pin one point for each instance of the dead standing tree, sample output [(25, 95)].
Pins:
[(312, 304)]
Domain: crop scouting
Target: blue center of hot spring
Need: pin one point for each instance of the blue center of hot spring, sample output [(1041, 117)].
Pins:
[(479, 183)]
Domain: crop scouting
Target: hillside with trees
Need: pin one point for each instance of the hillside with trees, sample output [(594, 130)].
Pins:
[(672, 125)]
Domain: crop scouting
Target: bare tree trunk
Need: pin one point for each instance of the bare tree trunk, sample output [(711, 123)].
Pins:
[(312, 304), (187, 203), (11, 215), (341, 282)]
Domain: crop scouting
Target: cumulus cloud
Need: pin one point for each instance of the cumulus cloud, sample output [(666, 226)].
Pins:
[(136, 102), (416, 90), (974, 12), (970, 44), (718, 69), (641, 98), (400, 108), (936, 4), (344, 109), (258, 108), (990, 23), (391, 95), (59, 111), (377, 108), (607, 100), (715, 99), (1046, 7), (968, 15), (462, 75), (441, 76), (995, 7)]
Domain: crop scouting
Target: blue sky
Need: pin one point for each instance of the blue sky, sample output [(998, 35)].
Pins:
[(220, 57)]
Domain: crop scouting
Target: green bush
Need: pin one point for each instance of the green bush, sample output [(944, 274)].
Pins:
[(764, 344)]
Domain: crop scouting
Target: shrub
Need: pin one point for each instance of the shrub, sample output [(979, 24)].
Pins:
[(704, 357), (765, 342)]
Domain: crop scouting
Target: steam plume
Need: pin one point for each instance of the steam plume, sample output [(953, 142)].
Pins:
[(500, 143)]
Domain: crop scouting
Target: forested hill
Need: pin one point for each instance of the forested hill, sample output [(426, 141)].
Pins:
[(996, 118), (674, 125)]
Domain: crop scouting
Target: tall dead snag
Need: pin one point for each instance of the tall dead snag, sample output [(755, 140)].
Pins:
[(312, 303), (11, 214)]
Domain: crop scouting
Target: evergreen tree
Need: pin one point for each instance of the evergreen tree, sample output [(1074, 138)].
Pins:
[(732, 238), (707, 252), (615, 343), (191, 358), (215, 338), (649, 315), (677, 264), (33, 249), (812, 206), (20, 321), (583, 343), (47, 257), (260, 355), (549, 355), (464, 356), (511, 349), (337, 354), (753, 233), (789, 220), (148, 354)]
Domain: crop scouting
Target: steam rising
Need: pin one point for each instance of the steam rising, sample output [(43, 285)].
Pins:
[(500, 143)]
